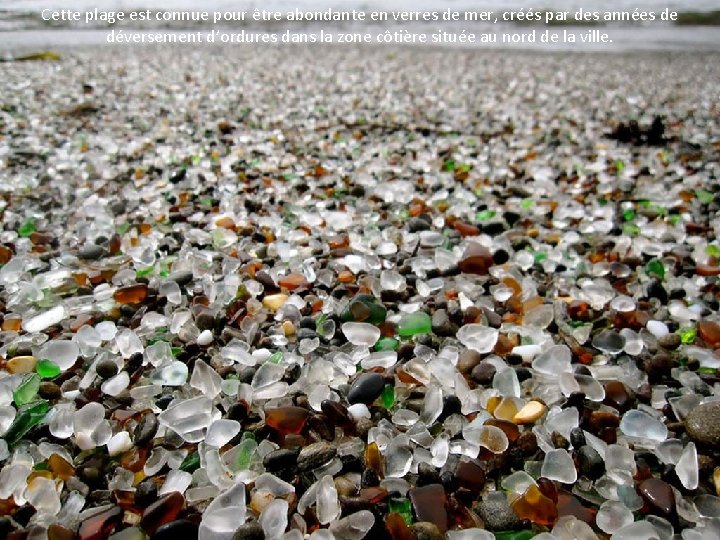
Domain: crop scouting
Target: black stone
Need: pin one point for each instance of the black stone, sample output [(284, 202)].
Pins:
[(91, 252), (180, 528), (106, 369), (280, 459), (146, 429), (591, 463), (366, 388), (251, 530)]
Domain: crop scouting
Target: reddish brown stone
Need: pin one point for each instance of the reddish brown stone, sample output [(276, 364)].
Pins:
[(658, 495), (373, 495), (709, 332), (100, 526), (429, 503), (547, 487), (603, 419), (58, 532), (707, 270), (569, 505), (5, 254), (470, 475), (164, 510), (397, 528), (293, 281), (618, 395), (465, 229)]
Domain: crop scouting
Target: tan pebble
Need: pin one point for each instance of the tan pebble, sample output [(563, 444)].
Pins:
[(275, 301), (259, 501), (21, 364), (530, 413), (716, 480), (345, 487), (288, 328)]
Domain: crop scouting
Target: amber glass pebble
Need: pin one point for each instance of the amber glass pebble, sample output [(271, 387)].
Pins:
[(287, 419), (134, 294)]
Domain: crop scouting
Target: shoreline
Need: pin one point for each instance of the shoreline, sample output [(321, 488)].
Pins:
[(378, 292)]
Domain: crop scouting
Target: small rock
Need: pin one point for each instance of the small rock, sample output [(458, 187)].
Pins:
[(91, 252), (468, 360), (313, 456), (106, 369), (424, 530), (417, 224), (591, 463), (658, 494), (146, 429), (703, 424), (495, 511), (180, 528), (659, 366), (670, 341), (441, 324), (280, 459), (530, 413), (21, 364), (483, 373), (49, 390), (251, 530), (366, 388)]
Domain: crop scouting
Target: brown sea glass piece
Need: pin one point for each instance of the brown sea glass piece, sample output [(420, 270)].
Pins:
[(100, 526), (429, 503), (569, 505), (58, 532), (134, 459), (535, 507), (547, 487), (61, 468), (707, 270), (162, 511), (658, 495), (134, 294), (293, 281), (477, 259), (709, 332), (374, 460), (465, 229), (397, 528), (617, 395), (287, 420), (337, 414), (470, 475)]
